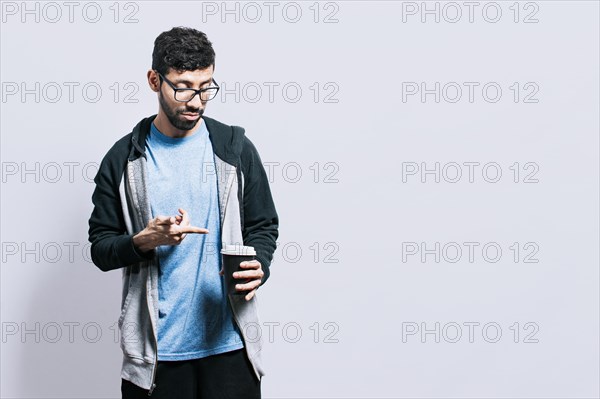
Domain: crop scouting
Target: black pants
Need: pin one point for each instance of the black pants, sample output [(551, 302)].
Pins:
[(227, 375)]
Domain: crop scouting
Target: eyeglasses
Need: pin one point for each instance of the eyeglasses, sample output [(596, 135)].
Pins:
[(185, 95)]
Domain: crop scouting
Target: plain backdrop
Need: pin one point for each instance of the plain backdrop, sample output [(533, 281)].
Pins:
[(436, 182)]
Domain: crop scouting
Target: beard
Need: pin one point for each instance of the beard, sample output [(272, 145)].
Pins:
[(174, 114)]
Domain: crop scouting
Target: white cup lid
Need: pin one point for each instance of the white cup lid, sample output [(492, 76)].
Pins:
[(237, 249)]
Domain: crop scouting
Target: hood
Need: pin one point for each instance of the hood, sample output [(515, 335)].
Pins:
[(227, 141)]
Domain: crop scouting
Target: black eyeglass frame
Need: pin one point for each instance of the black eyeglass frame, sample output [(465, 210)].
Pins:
[(196, 92)]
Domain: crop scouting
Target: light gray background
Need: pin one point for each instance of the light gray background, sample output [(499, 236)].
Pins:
[(370, 293)]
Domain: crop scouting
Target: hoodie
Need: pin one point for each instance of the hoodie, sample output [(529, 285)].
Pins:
[(122, 209)]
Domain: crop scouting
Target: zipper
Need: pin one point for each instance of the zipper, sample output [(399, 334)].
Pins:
[(153, 376), (152, 384)]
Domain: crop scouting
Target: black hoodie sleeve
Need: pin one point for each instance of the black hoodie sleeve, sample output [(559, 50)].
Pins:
[(112, 248), (261, 223)]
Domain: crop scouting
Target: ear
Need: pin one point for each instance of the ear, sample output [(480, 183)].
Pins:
[(153, 80)]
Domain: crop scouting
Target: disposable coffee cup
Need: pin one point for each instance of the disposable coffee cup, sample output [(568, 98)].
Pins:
[(233, 255)]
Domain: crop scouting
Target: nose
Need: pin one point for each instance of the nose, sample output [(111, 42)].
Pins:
[(195, 102)]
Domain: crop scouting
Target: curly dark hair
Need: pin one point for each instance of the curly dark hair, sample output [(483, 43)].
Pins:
[(183, 49)]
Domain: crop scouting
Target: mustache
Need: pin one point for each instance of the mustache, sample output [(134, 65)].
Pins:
[(191, 111)]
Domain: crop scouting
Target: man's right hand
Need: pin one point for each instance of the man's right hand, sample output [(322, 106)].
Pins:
[(165, 230)]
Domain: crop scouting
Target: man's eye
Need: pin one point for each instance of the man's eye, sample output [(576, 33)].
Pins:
[(190, 89)]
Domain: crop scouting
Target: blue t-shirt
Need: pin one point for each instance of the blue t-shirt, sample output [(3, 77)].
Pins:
[(195, 319)]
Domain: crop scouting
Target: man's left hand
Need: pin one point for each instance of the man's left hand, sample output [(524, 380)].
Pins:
[(252, 275)]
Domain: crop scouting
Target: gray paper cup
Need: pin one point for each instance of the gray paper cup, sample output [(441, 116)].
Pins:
[(233, 255)]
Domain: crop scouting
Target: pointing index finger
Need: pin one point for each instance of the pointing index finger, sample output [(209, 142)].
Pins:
[(193, 230)]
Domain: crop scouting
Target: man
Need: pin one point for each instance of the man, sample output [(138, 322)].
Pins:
[(168, 196)]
